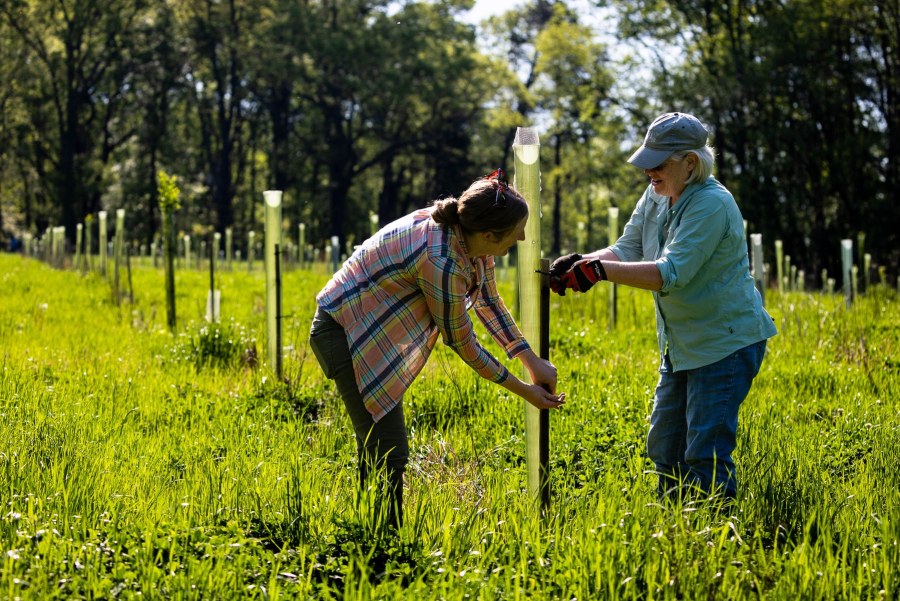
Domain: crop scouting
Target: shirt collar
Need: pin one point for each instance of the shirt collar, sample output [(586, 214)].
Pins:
[(460, 243)]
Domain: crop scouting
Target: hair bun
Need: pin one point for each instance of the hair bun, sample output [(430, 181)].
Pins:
[(446, 212)]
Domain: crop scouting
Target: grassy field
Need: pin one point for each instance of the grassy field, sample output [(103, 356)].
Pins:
[(138, 464)]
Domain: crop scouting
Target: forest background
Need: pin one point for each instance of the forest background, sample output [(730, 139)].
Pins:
[(359, 106)]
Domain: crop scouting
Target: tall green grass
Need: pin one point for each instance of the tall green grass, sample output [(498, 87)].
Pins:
[(135, 462)]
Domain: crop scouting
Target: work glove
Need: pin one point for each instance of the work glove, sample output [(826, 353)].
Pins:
[(581, 277), (560, 267), (563, 264)]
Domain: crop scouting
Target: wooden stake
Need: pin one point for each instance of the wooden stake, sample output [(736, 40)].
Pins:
[(613, 233), (128, 268), (544, 434), (168, 228)]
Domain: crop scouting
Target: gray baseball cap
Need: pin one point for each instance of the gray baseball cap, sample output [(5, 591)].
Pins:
[(668, 133)]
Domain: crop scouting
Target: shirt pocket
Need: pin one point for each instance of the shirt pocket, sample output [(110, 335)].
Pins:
[(650, 240)]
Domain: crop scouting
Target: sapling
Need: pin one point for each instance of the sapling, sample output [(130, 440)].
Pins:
[(527, 149), (168, 204)]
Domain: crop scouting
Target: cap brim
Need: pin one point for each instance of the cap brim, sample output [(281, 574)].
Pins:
[(647, 158)]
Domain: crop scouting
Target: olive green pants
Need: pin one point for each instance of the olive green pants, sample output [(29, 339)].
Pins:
[(379, 445)]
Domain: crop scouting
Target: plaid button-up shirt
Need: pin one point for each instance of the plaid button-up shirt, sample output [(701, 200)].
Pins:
[(405, 285)]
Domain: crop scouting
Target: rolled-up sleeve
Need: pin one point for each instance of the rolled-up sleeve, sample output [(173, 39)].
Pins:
[(444, 286), (700, 231), (630, 246), (496, 318)]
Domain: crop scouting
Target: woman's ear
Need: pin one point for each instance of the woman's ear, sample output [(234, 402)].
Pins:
[(692, 161), (490, 237)]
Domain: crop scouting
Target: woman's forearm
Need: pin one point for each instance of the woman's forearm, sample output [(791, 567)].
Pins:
[(644, 275)]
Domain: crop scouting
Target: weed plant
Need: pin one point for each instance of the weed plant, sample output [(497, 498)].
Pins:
[(141, 463)]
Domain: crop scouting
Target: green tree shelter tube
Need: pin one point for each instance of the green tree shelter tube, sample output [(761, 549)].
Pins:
[(88, 244), (846, 266), (273, 240), (79, 235), (251, 250), (527, 150), (102, 239), (301, 244), (759, 276), (118, 244)]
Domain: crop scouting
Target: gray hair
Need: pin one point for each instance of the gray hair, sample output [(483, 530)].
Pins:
[(706, 160)]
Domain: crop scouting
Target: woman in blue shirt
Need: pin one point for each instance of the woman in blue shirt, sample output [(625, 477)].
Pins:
[(685, 242)]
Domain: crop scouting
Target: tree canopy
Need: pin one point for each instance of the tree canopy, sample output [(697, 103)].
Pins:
[(360, 106)]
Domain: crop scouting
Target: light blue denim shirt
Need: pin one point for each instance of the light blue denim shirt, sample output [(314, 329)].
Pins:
[(708, 307)]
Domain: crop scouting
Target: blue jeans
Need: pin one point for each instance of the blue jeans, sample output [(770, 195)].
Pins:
[(693, 427)]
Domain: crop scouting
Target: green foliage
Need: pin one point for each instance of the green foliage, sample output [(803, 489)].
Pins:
[(220, 345), (168, 192)]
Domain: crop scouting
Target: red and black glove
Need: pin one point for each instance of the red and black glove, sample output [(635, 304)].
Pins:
[(558, 268), (581, 277)]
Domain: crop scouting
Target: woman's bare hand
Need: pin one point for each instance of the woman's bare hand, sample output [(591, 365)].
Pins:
[(540, 398)]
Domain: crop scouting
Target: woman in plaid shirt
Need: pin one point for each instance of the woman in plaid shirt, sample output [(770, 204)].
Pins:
[(379, 317)]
